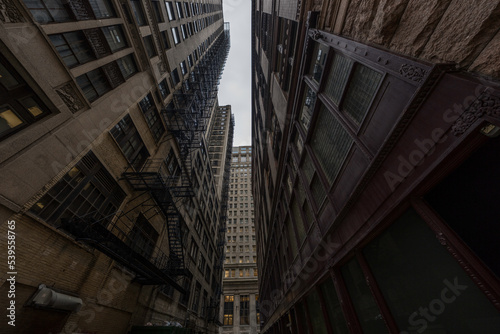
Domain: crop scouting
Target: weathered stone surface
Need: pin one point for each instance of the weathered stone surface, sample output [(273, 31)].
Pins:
[(463, 32), (488, 62), (359, 19), (417, 24), (386, 21)]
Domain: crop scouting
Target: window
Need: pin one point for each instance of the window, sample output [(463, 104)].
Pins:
[(315, 313), (175, 34), (183, 67), (138, 12), (164, 37), (103, 9), (19, 105), (228, 310), (131, 144), (333, 307), (244, 310), (115, 37), (330, 142), (184, 32), (73, 48), (164, 91), (45, 11), (93, 84), (196, 297), (170, 10), (307, 109), (157, 10), (143, 237), (175, 77), (127, 66), (150, 48), (186, 9), (87, 189), (319, 59), (179, 9), (150, 112)]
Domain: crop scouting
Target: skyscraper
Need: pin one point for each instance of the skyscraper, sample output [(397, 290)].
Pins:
[(240, 283), (375, 143), (105, 163)]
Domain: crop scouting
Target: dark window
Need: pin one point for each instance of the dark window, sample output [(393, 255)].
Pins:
[(307, 108), (87, 189), (19, 106), (157, 10), (127, 65), (164, 36), (333, 307), (130, 142), (102, 8), (175, 77), (364, 304), (184, 31), (143, 237), (150, 112), (244, 309), (184, 299), (228, 310), (150, 48), (115, 37), (196, 297), (186, 9), (423, 284), (175, 34), (190, 61), (183, 67), (315, 314), (73, 47), (179, 9), (164, 91), (170, 10), (45, 11), (473, 211), (138, 12), (93, 84)]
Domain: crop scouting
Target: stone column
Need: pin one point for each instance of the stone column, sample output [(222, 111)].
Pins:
[(236, 317), (253, 315)]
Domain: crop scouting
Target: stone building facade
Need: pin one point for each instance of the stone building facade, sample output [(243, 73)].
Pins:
[(104, 163), (375, 139), (239, 306)]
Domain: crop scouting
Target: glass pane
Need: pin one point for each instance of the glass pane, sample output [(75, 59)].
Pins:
[(315, 313), (339, 73), (8, 119), (307, 109), (115, 37), (138, 12), (102, 8), (333, 307), (127, 66), (170, 10), (318, 61), (367, 310), (32, 106), (360, 92), (330, 142), (99, 82), (79, 46), (7, 79), (424, 286), (64, 50), (87, 88)]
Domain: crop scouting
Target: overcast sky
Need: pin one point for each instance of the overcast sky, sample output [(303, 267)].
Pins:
[(235, 85)]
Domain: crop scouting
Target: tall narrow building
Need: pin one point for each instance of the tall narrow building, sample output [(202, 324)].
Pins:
[(375, 144), (117, 207), (240, 308)]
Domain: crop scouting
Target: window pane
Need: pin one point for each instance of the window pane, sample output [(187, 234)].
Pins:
[(367, 310), (102, 8), (7, 79), (150, 48), (127, 65), (8, 119), (337, 78), (115, 37), (307, 109), (87, 88), (32, 106), (333, 308), (318, 61), (360, 92), (99, 81), (330, 142), (138, 12), (424, 286), (170, 10), (315, 313)]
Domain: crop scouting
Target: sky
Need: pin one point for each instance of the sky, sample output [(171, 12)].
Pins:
[(235, 85)]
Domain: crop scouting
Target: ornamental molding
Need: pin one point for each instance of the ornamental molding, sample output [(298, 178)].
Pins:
[(485, 105), (9, 13), (70, 97), (412, 72)]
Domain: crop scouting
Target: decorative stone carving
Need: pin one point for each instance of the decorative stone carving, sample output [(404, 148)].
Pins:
[(70, 97), (485, 104), (412, 72), (9, 13)]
